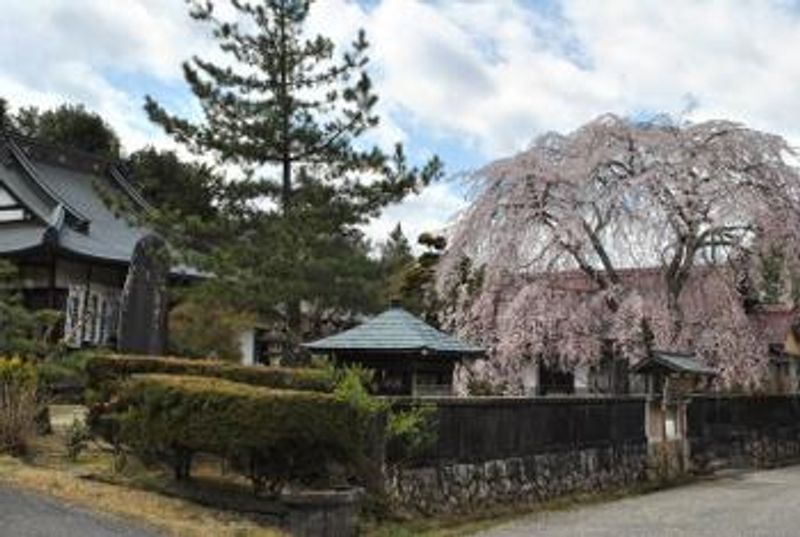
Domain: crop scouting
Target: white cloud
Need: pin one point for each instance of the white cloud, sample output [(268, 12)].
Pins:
[(67, 51), (495, 73), (736, 60), (430, 211), (149, 36), (485, 76)]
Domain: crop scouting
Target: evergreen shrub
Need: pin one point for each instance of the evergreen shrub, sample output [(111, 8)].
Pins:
[(411, 434), (271, 436), (105, 370)]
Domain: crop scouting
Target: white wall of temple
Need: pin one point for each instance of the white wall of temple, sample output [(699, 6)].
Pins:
[(247, 346), (581, 374), (92, 302), (92, 314), (530, 378)]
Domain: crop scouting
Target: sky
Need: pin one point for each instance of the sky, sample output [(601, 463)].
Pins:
[(470, 81)]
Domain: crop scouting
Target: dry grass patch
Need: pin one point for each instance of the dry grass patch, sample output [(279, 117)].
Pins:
[(48, 471), (173, 516)]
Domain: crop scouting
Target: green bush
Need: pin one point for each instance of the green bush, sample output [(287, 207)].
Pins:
[(25, 333), (411, 434), (105, 370), (203, 329), (69, 369), (272, 436), (76, 439), (19, 404), (63, 378)]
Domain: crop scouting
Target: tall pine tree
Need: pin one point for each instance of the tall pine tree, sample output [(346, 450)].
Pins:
[(289, 111), (396, 260)]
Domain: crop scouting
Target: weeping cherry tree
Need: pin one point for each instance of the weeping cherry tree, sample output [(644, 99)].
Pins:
[(623, 236)]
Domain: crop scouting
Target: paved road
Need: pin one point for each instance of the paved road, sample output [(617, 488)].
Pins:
[(27, 515), (754, 504)]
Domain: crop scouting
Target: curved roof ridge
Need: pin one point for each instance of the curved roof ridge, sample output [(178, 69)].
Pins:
[(61, 148), (30, 169), (128, 188)]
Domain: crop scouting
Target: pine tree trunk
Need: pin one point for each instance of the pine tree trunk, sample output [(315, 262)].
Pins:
[(286, 188), (293, 305)]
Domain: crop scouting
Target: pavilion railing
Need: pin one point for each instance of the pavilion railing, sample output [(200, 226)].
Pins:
[(433, 390)]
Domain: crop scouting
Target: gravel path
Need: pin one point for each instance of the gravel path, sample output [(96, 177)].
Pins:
[(23, 514), (752, 504)]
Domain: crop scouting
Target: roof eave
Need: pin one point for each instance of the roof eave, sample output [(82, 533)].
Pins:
[(648, 363), (401, 350)]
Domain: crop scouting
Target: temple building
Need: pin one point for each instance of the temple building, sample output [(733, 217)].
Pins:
[(409, 357), (59, 225)]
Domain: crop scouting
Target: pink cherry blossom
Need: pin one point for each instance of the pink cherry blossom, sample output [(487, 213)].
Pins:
[(627, 234)]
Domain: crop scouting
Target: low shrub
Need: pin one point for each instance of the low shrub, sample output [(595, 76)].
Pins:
[(203, 328), (411, 433), (105, 370), (64, 378), (76, 439), (271, 436), (19, 405), (484, 388)]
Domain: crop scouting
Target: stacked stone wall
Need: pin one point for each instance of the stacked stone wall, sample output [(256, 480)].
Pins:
[(461, 487)]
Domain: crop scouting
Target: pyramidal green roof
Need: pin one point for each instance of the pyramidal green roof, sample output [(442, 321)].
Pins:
[(394, 330)]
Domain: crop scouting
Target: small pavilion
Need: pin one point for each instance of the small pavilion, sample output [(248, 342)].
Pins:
[(668, 374), (409, 357), (670, 378)]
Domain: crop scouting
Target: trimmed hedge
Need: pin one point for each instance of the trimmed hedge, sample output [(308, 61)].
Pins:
[(105, 369), (271, 436)]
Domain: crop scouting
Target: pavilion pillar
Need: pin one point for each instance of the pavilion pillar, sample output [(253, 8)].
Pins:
[(414, 379), (51, 281)]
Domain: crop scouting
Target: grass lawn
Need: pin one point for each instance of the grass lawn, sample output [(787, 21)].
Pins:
[(47, 470)]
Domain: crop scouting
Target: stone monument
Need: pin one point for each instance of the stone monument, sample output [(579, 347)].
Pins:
[(142, 327)]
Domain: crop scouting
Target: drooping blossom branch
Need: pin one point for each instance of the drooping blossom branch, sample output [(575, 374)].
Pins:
[(614, 234)]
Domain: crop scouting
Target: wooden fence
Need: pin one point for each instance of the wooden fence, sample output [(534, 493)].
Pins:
[(748, 430), (486, 428), (721, 416)]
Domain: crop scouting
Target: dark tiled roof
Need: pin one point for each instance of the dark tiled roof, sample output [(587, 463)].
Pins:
[(673, 361), (110, 235), (67, 204), (394, 330), (20, 236)]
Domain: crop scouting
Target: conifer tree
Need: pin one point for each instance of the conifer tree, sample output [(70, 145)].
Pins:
[(396, 260), (70, 125), (289, 112), (170, 184)]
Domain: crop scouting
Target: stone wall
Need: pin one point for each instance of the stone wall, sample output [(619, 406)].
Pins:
[(460, 487)]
